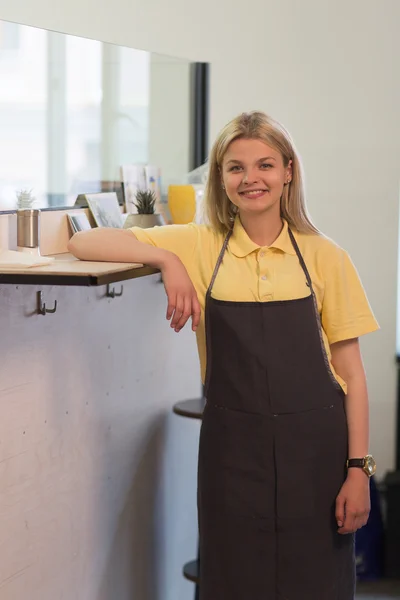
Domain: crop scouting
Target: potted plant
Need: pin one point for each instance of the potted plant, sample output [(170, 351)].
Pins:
[(25, 199), (146, 211)]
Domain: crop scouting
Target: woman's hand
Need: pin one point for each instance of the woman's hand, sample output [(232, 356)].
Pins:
[(353, 502), (182, 297)]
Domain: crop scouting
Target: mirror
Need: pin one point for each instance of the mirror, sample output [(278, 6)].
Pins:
[(73, 110)]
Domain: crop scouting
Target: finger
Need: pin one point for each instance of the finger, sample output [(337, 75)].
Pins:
[(196, 313), (339, 513), (359, 522), (349, 522), (363, 519), (171, 305), (178, 311), (185, 314)]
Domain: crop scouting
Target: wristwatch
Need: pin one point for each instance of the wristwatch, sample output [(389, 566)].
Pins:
[(367, 464)]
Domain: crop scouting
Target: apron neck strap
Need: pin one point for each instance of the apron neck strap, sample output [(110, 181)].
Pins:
[(300, 257), (219, 261)]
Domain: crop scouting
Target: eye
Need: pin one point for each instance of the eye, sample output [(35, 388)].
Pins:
[(235, 168), (266, 166)]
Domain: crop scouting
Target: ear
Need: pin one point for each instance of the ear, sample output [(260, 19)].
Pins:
[(289, 171)]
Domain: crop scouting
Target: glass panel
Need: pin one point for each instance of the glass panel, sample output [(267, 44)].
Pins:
[(23, 110), (83, 118), (73, 110)]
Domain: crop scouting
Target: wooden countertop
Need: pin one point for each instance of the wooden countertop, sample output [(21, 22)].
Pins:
[(67, 270)]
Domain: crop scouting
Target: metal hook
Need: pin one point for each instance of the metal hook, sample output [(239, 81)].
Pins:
[(41, 306), (111, 293)]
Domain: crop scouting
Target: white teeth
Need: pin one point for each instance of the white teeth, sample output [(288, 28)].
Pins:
[(253, 192)]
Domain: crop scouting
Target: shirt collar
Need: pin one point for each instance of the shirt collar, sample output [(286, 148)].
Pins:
[(241, 245)]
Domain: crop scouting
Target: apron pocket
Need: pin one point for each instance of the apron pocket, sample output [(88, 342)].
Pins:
[(236, 466)]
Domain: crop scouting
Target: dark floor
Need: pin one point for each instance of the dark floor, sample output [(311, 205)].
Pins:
[(381, 590)]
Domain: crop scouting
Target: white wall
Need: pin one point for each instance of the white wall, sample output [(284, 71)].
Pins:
[(97, 475)]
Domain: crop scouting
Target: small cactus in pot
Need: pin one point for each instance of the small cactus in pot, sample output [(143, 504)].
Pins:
[(25, 199), (146, 211), (145, 202)]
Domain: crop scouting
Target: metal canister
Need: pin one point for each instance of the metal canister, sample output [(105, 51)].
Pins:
[(28, 224)]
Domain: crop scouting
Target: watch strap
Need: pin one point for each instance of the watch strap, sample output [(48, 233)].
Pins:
[(356, 462)]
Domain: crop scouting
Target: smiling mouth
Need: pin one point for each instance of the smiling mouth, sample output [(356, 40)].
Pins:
[(253, 193)]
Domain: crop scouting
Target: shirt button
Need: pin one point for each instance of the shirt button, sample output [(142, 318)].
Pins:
[(263, 277), (262, 254)]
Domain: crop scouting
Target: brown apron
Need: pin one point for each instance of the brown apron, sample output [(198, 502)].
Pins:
[(273, 449)]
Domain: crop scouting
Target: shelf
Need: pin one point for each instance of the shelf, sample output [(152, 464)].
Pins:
[(67, 270), (191, 571), (190, 408)]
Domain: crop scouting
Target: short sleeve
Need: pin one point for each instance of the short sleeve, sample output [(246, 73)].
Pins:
[(346, 312), (180, 239)]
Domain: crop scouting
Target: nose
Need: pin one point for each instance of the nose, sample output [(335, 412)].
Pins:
[(250, 176)]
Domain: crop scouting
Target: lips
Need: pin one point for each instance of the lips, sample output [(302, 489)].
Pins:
[(253, 193)]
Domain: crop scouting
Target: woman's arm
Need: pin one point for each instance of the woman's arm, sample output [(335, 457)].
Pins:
[(121, 245), (116, 245), (353, 502), (347, 362)]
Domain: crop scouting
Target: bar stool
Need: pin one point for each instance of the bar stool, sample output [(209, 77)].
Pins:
[(192, 409)]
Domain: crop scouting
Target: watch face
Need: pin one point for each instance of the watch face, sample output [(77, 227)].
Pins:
[(370, 465)]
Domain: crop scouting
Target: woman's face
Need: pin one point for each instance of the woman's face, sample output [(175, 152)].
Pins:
[(254, 176)]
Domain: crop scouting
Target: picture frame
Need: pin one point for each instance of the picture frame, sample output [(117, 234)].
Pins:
[(105, 209), (78, 222)]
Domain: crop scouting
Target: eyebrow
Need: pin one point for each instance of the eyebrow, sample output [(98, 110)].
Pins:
[(259, 160)]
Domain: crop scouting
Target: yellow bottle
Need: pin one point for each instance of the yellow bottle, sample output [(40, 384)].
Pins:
[(182, 203)]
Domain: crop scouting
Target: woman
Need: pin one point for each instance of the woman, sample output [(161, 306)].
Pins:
[(278, 309)]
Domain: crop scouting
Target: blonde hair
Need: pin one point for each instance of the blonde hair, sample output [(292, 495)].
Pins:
[(220, 212)]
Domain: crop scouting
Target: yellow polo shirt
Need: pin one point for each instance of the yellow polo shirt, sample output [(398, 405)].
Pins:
[(253, 273)]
